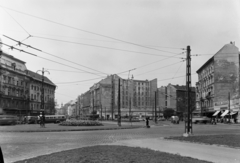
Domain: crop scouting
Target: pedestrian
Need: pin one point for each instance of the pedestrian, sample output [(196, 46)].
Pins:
[(24, 120), (40, 119), (147, 122)]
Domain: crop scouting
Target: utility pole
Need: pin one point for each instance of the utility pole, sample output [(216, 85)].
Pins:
[(101, 110), (155, 107), (105, 113), (93, 100), (130, 107), (42, 95), (188, 124), (229, 107), (119, 104), (113, 95)]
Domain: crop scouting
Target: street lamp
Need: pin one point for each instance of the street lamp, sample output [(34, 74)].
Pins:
[(42, 95)]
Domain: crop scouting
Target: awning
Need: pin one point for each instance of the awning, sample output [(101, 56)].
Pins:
[(225, 113), (232, 113), (216, 113)]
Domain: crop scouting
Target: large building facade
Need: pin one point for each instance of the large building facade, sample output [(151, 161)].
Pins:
[(174, 97), (20, 89), (218, 82), (136, 98)]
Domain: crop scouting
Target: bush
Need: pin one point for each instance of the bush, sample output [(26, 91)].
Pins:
[(80, 123)]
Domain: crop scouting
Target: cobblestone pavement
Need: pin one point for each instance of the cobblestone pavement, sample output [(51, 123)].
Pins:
[(18, 145)]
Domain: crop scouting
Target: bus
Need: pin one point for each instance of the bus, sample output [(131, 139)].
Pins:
[(54, 118)]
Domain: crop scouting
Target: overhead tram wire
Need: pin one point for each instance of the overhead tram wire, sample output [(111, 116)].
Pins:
[(47, 59), (90, 39), (109, 37), (20, 26), (175, 77), (160, 60), (177, 71), (97, 46), (56, 56), (17, 22), (158, 68), (69, 71), (20, 43), (64, 95), (78, 81)]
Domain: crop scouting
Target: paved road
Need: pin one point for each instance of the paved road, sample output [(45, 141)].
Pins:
[(18, 146)]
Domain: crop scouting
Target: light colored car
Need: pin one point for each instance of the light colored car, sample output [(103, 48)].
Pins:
[(161, 119), (200, 119), (175, 119), (141, 119), (8, 120)]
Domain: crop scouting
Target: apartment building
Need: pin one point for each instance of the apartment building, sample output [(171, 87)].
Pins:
[(218, 82), (136, 97), (20, 88)]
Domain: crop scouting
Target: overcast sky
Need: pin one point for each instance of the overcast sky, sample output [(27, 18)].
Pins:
[(113, 36)]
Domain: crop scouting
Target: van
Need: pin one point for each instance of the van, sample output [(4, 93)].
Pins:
[(31, 119), (8, 120)]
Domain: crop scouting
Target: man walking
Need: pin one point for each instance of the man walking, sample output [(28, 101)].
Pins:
[(40, 119)]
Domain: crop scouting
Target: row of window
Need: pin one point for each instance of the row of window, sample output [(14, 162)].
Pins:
[(12, 103), (206, 82), (125, 103), (38, 97), (208, 103), (13, 92), (11, 80), (37, 88), (207, 71)]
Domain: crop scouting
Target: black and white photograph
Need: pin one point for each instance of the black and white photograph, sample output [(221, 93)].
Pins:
[(119, 81)]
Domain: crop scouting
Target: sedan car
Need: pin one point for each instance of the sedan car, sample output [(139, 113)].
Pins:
[(202, 119), (8, 120)]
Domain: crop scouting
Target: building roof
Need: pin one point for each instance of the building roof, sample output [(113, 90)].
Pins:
[(227, 47), (206, 63), (183, 87), (12, 57), (38, 77)]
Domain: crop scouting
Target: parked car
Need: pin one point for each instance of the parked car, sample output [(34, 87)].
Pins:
[(31, 119), (8, 120), (201, 119), (141, 119), (161, 119), (175, 119)]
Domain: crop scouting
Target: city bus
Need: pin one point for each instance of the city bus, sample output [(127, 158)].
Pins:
[(54, 118)]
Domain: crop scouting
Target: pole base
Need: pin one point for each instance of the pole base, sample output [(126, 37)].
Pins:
[(187, 134)]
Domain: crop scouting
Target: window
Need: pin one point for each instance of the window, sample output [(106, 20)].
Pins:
[(9, 80), (4, 79), (9, 90)]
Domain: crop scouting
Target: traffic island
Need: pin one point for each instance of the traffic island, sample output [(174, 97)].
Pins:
[(60, 128), (111, 154)]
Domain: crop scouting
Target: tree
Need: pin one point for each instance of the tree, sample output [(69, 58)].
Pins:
[(94, 115), (168, 113)]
